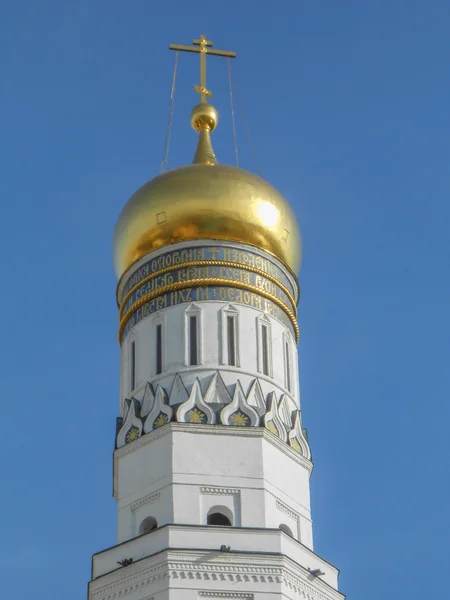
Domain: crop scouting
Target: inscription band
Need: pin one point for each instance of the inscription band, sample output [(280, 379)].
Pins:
[(206, 263), (207, 282), (227, 253)]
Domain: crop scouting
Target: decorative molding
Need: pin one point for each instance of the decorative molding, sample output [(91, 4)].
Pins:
[(288, 511), (235, 595), (126, 583), (203, 569), (145, 500), (157, 408), (219, 491)]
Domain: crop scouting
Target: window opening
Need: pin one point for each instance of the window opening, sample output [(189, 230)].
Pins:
[(133, 365), (288, 366), (231, 337), (265, 349), (193, 350), (218, 519), (158, 349), (147, 525), (286, 529)]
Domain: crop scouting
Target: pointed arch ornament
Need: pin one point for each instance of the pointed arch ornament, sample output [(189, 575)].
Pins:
[(195, 409), (255, 398), (161, 413), (285, 411), (217, 392), (239, 412), (297, 439), (178, 392), (131, 428), (272, 420), (148, 400)]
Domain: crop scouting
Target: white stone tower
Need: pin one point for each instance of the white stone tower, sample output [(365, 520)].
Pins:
[(212, 464)]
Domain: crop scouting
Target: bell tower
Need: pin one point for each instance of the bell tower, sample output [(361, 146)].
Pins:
[(212, 464)]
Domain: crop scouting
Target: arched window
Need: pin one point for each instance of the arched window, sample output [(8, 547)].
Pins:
[(220, 515), (218, 519), (286, 529), (147, 525)]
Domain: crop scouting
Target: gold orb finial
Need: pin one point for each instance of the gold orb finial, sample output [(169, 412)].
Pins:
[(204, 116)]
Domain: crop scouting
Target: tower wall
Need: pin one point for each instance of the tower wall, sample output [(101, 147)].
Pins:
[(211, 461), (210, 428)]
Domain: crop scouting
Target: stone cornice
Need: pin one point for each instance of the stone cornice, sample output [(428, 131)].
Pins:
[(206, 568)]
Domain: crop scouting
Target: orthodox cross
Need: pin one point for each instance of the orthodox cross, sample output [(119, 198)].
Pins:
[(203, 47)]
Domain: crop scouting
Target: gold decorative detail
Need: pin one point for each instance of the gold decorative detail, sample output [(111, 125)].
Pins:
[(271, 427), (238, 418), (204, 116), (132, 435), (161, 420), (204, 155), (207, 263), (295, 445), (207, 282), (195, 416)]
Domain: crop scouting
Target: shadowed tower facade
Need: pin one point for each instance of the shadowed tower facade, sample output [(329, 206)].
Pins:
[(211, 462)]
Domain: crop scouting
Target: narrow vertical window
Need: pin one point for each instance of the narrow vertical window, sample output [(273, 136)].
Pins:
[(193, 352), (231, 339), (265, 349), (158, 349), (288, 366), (133, 365)]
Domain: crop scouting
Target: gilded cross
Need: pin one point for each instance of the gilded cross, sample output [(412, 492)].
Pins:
[(203, 47)]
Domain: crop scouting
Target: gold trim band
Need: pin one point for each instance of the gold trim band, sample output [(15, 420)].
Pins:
[(208, 282), (208, 263)]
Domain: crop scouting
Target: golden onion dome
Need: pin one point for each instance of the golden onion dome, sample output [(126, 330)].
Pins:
[(206, 200)]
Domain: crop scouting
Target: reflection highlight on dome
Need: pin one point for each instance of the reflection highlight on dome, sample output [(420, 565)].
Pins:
[(268, 213)]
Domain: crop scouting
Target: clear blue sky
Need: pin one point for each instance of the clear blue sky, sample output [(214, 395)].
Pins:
[(348, 104)]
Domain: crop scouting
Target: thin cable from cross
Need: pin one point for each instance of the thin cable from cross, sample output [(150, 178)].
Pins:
[(165, 159)]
